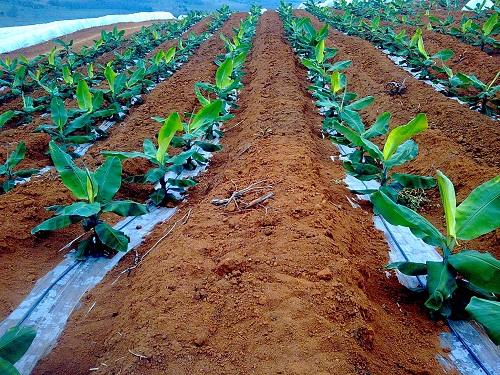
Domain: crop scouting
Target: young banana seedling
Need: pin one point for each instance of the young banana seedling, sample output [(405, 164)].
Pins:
[(8, 172), (369, 163), (94, 192), (465, 278)]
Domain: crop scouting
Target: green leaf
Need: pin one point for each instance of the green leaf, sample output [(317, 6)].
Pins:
[(223, 74), (206, 115), (82, 209), (83, 96), (441, 285), (490, 24), (479, 213), (359, 104), (170, 126), (359, 141), (335, 82), (379, 127), (74, 178), (412, 181), (486, 313), (58, 112), (54, 223), (126, 208), (404, 153), (319, 51), (408, 268), (6, 368), (16, 156), (182, 182), (169, 55), (122, 155), (6, 116), (397, 214), (448, 199), (404, 132), (481, 269), (353, 119), (444, 55), (137, 76), (111, 237), (110, 75), (15, 342), (208, 147), (109, 178)]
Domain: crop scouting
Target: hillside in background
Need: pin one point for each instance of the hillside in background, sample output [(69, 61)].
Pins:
[(26, 12)]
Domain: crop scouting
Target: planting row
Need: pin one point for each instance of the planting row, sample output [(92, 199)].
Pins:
[(94, 191), (411, 52), (462, 274), (75, 129)]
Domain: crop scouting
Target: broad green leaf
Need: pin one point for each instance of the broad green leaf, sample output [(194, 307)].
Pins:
[(110, 75), (56, 222), (169, 55), (170, 126), (16, 156), (490, 24), (66, 73), (182, 182), (449, 202), (15, 342), (206, 115), (74, 178), (58, 112), (108, 178), (421, 48), (408, 268), (319, 51), (82, 209), (404, 153), (92, 187), (335, 82), (379, 127), (358, 141), (487, 313), (149, 148), (122, 155), (441, 285), (340, 65), (444, 54), (353, 119), (404, 132), (360, 104), (137, 76), (126, 208), (481, 269), (6, 116), (6, 368), (111, 237), (397, 214), (223, 74), (479, 213), (83, 96), (412, 181)]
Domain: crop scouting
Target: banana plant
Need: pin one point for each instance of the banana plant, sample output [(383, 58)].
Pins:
[(369, 163), (162, 162), (62, 130), (94, 192), (461, 274), (225, 83), (13, 344), (485, 92), (8, 172), (421, 59)]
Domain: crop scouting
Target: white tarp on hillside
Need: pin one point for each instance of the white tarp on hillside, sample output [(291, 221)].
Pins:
[(472, 4), (12, 38)]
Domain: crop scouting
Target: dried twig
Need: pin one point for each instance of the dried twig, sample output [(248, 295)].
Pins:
[(138, 355), (237, 195)]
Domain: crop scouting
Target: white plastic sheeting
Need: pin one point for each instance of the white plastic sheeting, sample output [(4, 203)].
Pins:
[(12, 38), (472, 4)]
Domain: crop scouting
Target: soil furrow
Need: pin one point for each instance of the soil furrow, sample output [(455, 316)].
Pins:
[(26, 258), (460, 142), (288, 288)]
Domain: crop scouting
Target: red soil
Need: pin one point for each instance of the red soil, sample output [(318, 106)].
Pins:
[(293, 287)]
